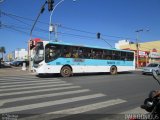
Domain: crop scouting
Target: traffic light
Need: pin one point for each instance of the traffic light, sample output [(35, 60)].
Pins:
[(32, 44), (50, 5), (98, 35)]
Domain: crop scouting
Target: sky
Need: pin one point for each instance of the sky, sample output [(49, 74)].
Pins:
[(79, 21)]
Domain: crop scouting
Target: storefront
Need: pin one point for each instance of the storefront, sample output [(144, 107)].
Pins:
[(149, 52), (154, 56), (143, 58)]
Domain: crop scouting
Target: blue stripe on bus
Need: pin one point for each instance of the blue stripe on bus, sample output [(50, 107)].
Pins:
[(90, 62)]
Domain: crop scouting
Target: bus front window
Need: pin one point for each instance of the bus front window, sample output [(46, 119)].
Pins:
[(39, 53)]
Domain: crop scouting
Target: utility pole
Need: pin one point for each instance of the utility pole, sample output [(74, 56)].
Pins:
[(0, 19), (137, 43), (53, 28), (137, 46), (56, 32)]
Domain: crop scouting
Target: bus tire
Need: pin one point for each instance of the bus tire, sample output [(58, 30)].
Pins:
[(113, 70), (66, 71)]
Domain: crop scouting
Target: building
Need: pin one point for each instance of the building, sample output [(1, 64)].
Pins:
[(148, 52), (20, 54)]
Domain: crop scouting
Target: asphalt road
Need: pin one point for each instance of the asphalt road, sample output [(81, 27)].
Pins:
[(92, 95)]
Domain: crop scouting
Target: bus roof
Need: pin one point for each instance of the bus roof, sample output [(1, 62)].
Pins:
[(98, 47)]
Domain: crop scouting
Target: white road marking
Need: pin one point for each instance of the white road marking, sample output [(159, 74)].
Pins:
[(42, 96), (37, 81), (49, 103), (35, 87), (76, 110), (19, 77), (23, 85), (37, 91)]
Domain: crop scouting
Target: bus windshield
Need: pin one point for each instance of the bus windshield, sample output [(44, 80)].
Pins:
[(39, 53)]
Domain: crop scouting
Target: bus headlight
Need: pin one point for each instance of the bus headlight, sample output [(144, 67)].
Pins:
[(40, 65)]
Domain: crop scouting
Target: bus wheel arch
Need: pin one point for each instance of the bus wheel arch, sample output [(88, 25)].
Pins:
[(113, 70), (66, 71)]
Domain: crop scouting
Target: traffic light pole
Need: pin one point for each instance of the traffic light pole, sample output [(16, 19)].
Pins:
[(29, 49)]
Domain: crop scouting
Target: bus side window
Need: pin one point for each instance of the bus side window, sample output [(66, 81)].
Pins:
[(87, 53), (68, 55), (130, 56), (67, 51), (107, 54), (117, 55), (75, 52), (93, 54), (123, 56)]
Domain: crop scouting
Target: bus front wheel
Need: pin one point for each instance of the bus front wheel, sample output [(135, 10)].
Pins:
[(113, 70), (66, 71)]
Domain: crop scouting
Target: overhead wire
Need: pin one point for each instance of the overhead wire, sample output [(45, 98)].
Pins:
[(62, 26), (69, 28), (13, 15), (20, 31)]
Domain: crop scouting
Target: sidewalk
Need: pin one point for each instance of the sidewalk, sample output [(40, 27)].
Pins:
[(13, 71), (138, 69)]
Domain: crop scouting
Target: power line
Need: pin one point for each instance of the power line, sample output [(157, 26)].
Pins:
[(23, 32), (120, 37), (25, 28), (81, 36), (26, 23), (76, 35), (64, 27), (16, 28), (13, 15)]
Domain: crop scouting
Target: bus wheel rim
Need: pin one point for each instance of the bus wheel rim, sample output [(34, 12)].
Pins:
[(66, 71)]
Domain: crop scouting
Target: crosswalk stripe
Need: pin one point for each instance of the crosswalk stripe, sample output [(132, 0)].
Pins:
[(89, 107), (49, 103), (35, 87), (37, 81), (27, 84), (43, 96), (18, 77), (37, 91), (77, 110)]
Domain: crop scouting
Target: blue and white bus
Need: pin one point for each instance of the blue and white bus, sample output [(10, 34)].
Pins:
[(67, 59)]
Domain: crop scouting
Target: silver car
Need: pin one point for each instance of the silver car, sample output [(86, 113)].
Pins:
[(150, 67)]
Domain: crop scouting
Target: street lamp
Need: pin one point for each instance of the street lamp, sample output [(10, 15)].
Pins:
[(51, 26)]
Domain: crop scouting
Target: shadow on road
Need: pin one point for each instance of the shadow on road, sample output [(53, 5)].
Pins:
[(80, 74), (3, 67)]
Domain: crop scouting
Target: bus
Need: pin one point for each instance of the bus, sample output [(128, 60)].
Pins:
[(67, 59)]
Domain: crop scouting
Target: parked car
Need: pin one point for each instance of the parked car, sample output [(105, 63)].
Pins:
[(150, 67), (7, 62), (19, 63)]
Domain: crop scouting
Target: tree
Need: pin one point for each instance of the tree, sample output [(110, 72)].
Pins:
[(2, 50)]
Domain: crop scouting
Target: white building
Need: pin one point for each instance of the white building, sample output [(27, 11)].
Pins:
[(121, 42), (20, 54)]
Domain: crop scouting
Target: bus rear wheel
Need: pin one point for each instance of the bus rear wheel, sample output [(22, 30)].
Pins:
[(113, 70), (66, 71)]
